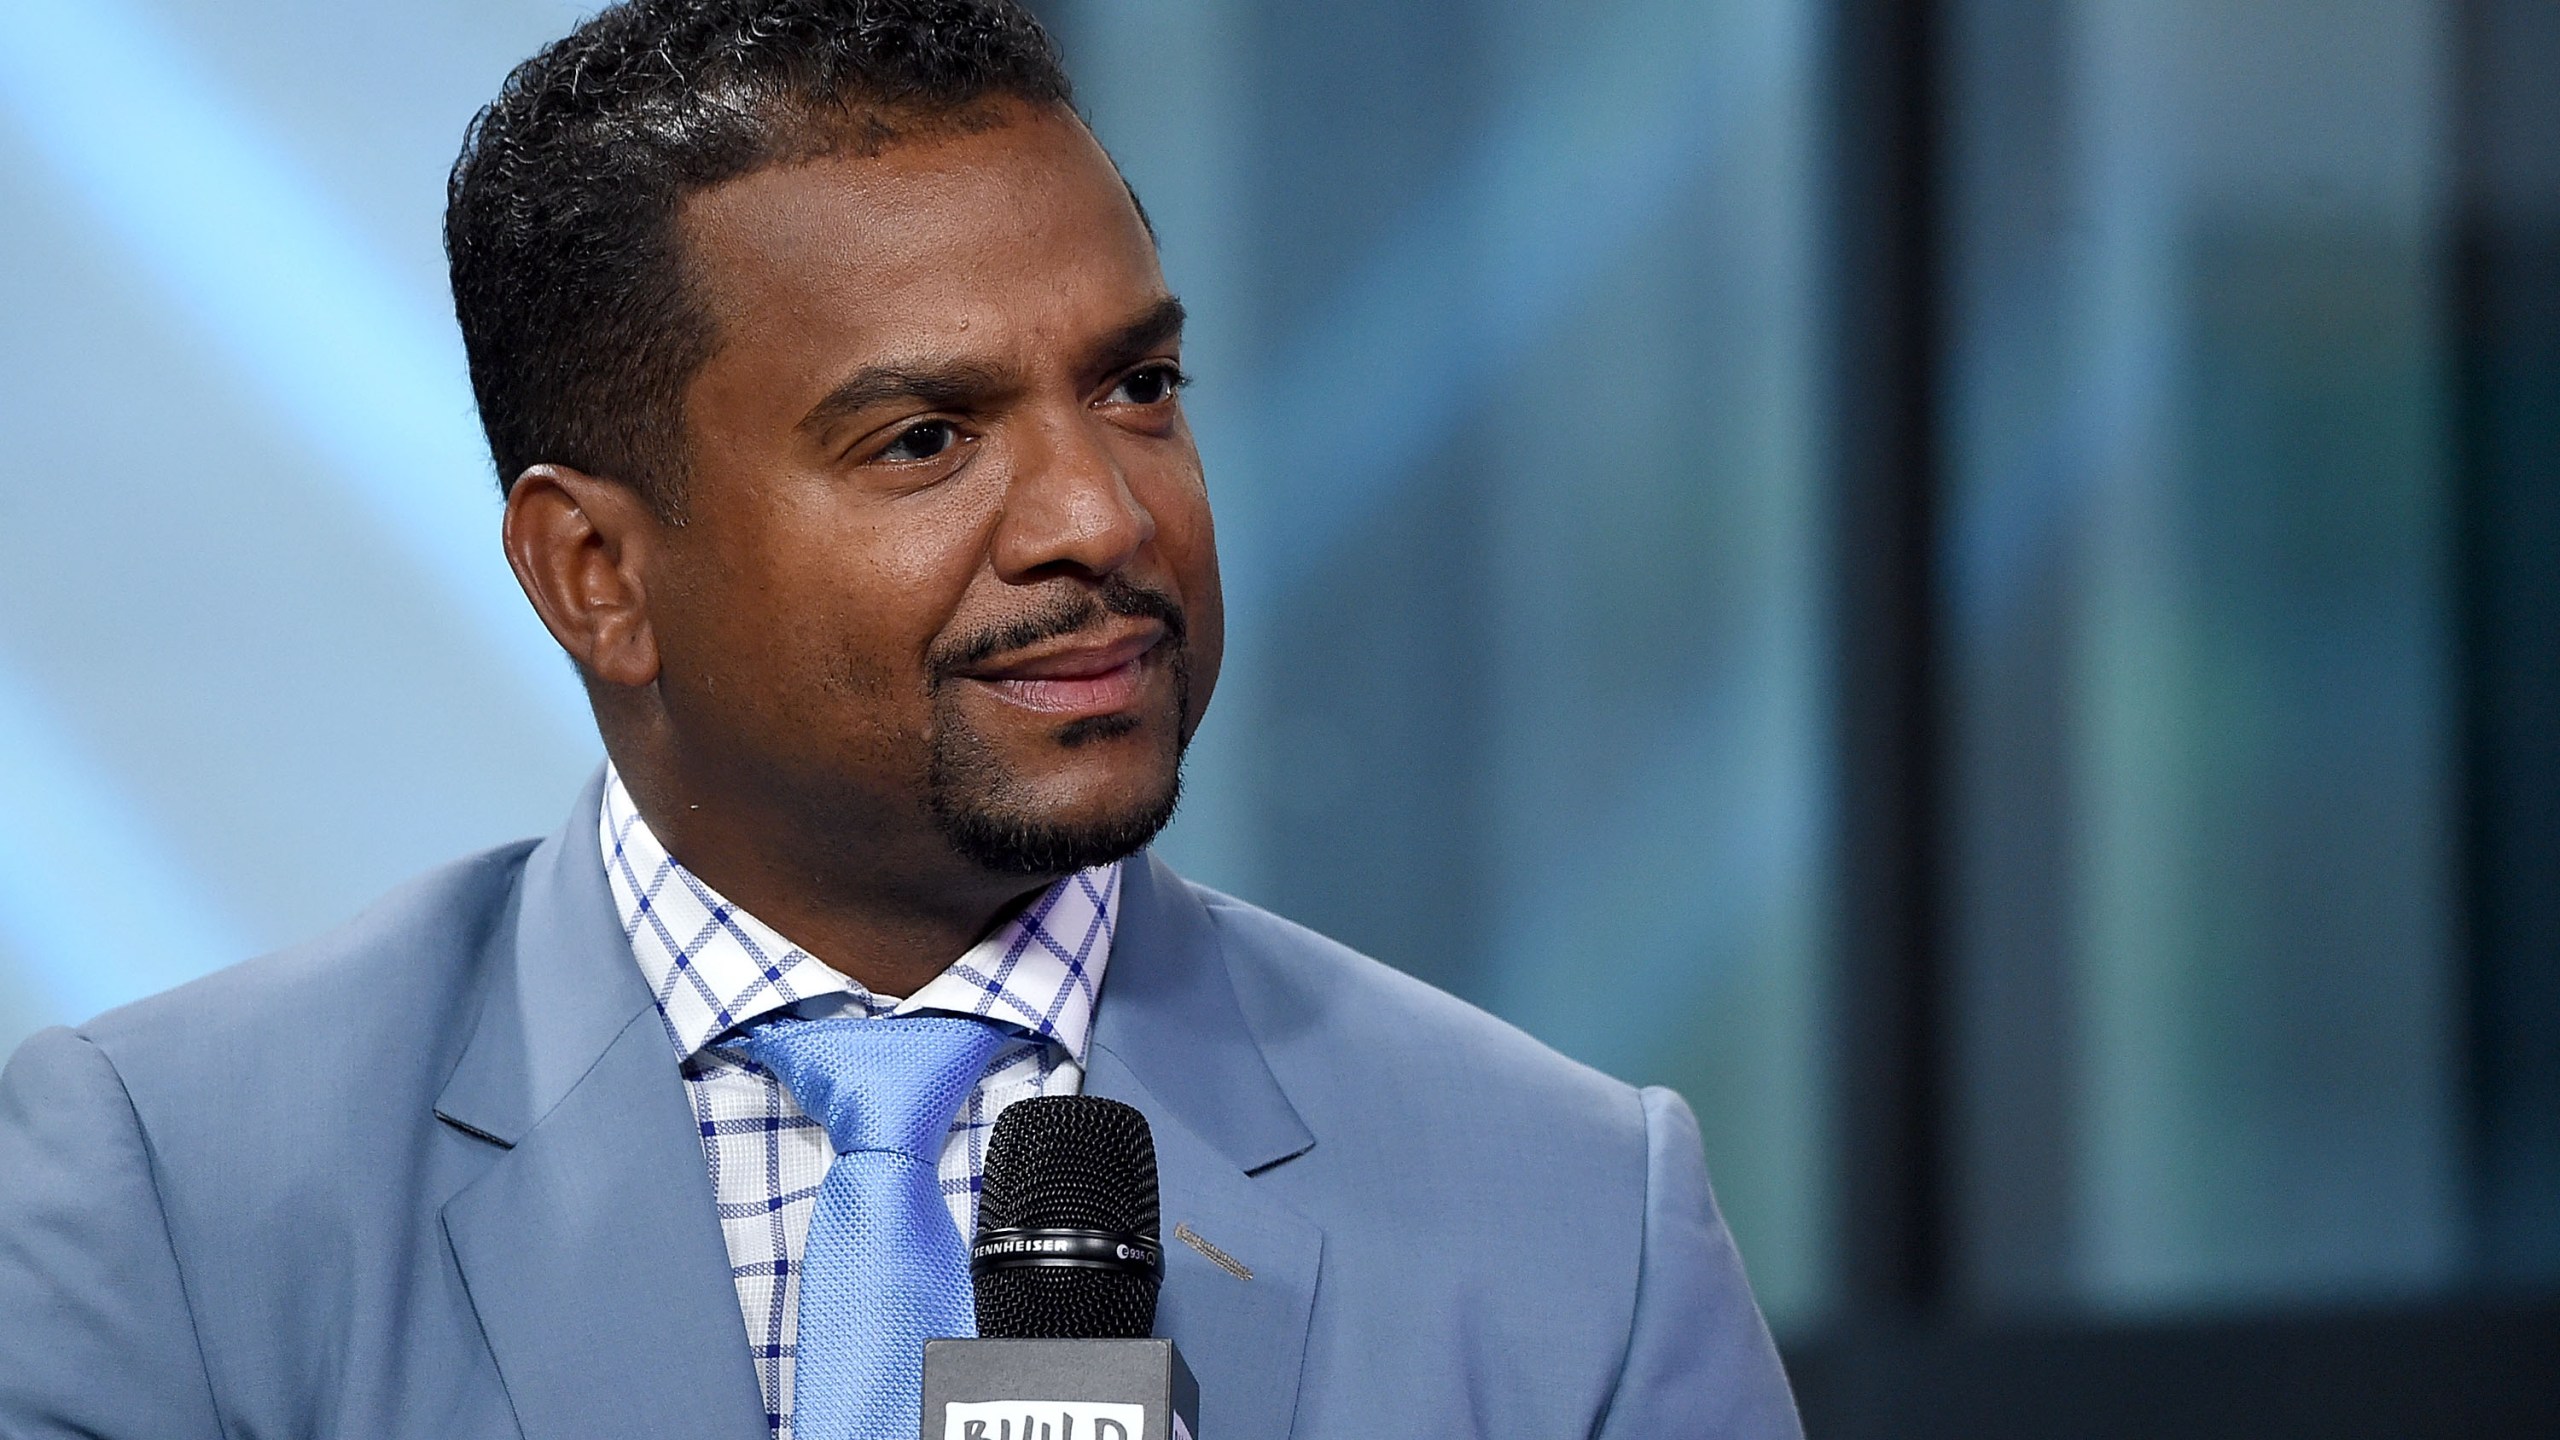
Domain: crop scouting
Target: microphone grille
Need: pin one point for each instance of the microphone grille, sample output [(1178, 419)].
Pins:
[(1074, 1162)]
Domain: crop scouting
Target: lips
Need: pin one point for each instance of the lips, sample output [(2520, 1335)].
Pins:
[(1082, 675)]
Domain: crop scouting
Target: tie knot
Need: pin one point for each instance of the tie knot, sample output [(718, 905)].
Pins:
[(888, 1084)]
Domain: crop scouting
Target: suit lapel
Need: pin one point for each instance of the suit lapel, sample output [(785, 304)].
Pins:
[(591, 1248), (1240, 1268)]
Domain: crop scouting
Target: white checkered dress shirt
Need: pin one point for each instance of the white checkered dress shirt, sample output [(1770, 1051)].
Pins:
[(715, 968)]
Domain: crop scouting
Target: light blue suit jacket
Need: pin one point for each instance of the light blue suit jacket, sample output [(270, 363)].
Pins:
[(435, 1176)]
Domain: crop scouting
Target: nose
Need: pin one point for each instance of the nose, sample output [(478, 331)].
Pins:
[(1069, 508)]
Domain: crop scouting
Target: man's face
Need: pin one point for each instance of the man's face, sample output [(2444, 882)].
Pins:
[(945, 569)]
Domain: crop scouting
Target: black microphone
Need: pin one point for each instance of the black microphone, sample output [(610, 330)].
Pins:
[(1068, 1245), (1066, 1266)]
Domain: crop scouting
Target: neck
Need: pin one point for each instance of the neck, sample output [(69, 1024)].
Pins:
[(886, 916)]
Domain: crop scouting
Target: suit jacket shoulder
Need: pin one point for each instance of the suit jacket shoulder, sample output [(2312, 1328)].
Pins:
[(1359, 1038), (230, 1188), (430, 1175), (1512, 1242), (350, 1013)]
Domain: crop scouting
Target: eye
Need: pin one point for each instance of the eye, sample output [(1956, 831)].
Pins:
[(1150, 384), (922, 441)]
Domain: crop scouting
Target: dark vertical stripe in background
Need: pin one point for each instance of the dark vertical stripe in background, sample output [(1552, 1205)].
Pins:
[(2506, 328), (1884, 336)]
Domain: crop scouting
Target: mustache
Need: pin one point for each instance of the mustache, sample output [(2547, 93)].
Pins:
[(1073, 612)]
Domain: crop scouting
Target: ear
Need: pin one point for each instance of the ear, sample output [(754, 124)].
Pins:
[(579, 545)]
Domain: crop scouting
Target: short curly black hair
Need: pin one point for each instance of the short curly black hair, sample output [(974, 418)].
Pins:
[(560, 216)]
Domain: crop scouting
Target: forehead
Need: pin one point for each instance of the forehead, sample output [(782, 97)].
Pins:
[(1019, 232)]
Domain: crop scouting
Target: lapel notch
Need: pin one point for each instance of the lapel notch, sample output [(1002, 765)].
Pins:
[(1240, 1271), (1170, 1014)]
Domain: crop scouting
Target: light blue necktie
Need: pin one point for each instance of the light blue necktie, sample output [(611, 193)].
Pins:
[(885, 1269)]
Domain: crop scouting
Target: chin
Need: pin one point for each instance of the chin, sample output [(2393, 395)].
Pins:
[(1035, 841), (1057, 798), (1100, 801)]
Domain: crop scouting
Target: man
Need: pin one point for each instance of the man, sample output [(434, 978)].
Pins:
[(835, 386)]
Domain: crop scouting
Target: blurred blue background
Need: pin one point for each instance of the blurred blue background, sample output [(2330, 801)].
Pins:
[(1555, 359)]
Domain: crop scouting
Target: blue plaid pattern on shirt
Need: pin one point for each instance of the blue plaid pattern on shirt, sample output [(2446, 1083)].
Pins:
[(715, 968)]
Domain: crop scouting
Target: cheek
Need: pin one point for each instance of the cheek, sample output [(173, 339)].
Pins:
[(1193, 555), (819, 618), (868, 596), (1186, 539), (1185, 535), (1166, 478)]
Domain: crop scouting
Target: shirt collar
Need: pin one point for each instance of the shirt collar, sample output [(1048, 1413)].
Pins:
[(714, 967)]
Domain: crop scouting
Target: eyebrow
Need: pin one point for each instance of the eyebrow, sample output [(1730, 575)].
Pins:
[(968, 385), (1159, 327), (958, 385)]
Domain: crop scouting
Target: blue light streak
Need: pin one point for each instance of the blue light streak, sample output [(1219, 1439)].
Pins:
[(1480, 269), (363, 369)]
